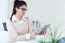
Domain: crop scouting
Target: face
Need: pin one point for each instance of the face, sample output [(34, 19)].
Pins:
[(21, 10)]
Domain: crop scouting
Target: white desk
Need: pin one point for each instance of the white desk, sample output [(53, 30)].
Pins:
[(35, 40), (30, 41)]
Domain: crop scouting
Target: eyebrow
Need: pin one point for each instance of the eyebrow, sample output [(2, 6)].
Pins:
[(23, 8)]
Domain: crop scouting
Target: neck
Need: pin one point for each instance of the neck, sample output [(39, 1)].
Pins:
[(18, 17)]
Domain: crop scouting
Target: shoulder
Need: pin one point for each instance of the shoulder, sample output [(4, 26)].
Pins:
[(9, 23), (27, 19)]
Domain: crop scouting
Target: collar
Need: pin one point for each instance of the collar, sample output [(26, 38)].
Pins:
[(14, 19)]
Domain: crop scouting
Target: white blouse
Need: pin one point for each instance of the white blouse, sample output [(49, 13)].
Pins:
[(14, 19)]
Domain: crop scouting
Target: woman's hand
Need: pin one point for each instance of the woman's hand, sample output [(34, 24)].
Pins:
[(34, 33)]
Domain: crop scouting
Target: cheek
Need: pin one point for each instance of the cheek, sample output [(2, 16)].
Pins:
[(20, 12)]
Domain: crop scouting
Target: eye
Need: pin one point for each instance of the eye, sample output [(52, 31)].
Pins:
[(24, 9)]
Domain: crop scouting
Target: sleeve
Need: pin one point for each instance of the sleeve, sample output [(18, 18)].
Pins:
[(33, 35)]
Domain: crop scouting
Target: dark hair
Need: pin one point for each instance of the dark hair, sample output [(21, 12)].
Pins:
[(17, 3)]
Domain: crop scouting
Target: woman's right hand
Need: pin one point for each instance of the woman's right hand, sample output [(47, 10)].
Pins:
[(33, 34)]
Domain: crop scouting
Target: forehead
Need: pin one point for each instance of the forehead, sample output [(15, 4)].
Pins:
[(23, 6)]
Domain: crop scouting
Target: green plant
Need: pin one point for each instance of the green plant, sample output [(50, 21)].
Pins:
[(53, 35), (41, 41)]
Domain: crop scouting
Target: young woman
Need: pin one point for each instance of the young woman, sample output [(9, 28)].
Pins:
[(18, 24)]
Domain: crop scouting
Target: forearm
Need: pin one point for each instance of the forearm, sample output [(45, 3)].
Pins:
[(23, 37)]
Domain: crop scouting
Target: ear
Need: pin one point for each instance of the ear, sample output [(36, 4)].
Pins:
[(16, 9)]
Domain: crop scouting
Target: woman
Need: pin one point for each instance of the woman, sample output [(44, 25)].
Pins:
[(19, 25)]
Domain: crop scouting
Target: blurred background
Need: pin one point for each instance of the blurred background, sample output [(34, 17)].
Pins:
[(46, 11)]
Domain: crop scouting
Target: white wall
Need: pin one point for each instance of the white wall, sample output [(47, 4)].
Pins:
[(10, 5), (50, 11), (3, 10), (4, 35)]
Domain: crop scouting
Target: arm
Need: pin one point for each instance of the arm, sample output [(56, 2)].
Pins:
[(13, 34), (33, 35)]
